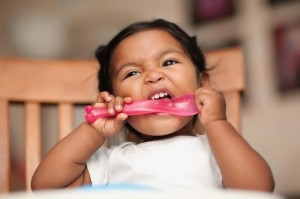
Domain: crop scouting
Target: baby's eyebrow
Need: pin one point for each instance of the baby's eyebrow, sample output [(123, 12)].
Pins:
[(171, 50)]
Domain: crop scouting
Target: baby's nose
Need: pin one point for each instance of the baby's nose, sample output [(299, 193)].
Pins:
[(154, 76)]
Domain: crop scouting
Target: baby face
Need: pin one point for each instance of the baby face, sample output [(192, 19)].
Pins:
[(150, 65)]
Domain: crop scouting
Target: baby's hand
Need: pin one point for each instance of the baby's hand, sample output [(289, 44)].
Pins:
[(110, 126), (211, 105)]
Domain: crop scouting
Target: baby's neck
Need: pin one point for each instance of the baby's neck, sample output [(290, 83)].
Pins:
[(147, 138)]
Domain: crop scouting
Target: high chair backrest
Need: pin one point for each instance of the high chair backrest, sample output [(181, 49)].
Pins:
[(227, 76), (67, 83)]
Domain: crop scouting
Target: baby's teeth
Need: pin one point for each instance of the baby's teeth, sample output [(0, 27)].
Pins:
[(158, 95)]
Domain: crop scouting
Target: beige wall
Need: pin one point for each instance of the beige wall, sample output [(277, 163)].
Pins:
[(73, 29)]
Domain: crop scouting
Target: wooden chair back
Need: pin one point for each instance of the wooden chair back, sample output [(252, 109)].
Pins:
[(227, 76), (65, 83)]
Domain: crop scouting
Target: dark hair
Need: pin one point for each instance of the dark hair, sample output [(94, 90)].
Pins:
[(105, 53)]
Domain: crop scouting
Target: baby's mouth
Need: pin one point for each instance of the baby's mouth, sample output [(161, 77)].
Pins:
[(160, 95)]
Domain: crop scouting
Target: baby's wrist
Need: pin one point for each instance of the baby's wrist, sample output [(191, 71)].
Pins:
[(99, 132), (213, 123)]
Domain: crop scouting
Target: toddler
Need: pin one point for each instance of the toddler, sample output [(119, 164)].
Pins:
[(152, 61)]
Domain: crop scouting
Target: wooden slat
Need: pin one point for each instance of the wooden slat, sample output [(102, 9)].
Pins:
[(233, 109), (4, 147), (227, 74), (32, 140), (48, 81), (65, 119)]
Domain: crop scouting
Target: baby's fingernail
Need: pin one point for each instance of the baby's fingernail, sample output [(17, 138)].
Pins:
[(111, 111), (108, 98), (118, 107)]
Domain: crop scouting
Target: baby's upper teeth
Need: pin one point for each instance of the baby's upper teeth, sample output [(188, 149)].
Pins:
[(158, 95)]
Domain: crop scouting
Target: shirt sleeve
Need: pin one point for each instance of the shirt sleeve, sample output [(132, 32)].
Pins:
[(97, 166)]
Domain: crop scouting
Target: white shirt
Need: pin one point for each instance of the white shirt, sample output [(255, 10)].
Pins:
[(180, 163)]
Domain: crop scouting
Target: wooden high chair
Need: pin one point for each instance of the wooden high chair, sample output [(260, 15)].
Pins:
[(65, 83)]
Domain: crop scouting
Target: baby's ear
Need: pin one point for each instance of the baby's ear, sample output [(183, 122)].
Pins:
[(203, 79)]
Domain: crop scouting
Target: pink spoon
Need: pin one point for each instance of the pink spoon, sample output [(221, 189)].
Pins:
[(183, 106)]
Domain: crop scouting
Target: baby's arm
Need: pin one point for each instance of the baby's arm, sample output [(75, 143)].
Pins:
[(65, 164), (240, 165)]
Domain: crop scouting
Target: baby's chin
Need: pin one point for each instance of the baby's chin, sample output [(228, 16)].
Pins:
[(154, 131), (157, 137), (159, 126), (157, 133)]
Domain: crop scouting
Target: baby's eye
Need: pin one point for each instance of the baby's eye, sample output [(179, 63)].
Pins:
[(131, 73), (170, 62)]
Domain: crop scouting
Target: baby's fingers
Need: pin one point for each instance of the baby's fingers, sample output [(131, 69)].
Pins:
[(119, 104), (105, 99), (116, 105), (114, 125), (113, 104), (102, 99)]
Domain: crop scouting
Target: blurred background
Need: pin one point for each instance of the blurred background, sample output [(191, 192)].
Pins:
[(267, 30)]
